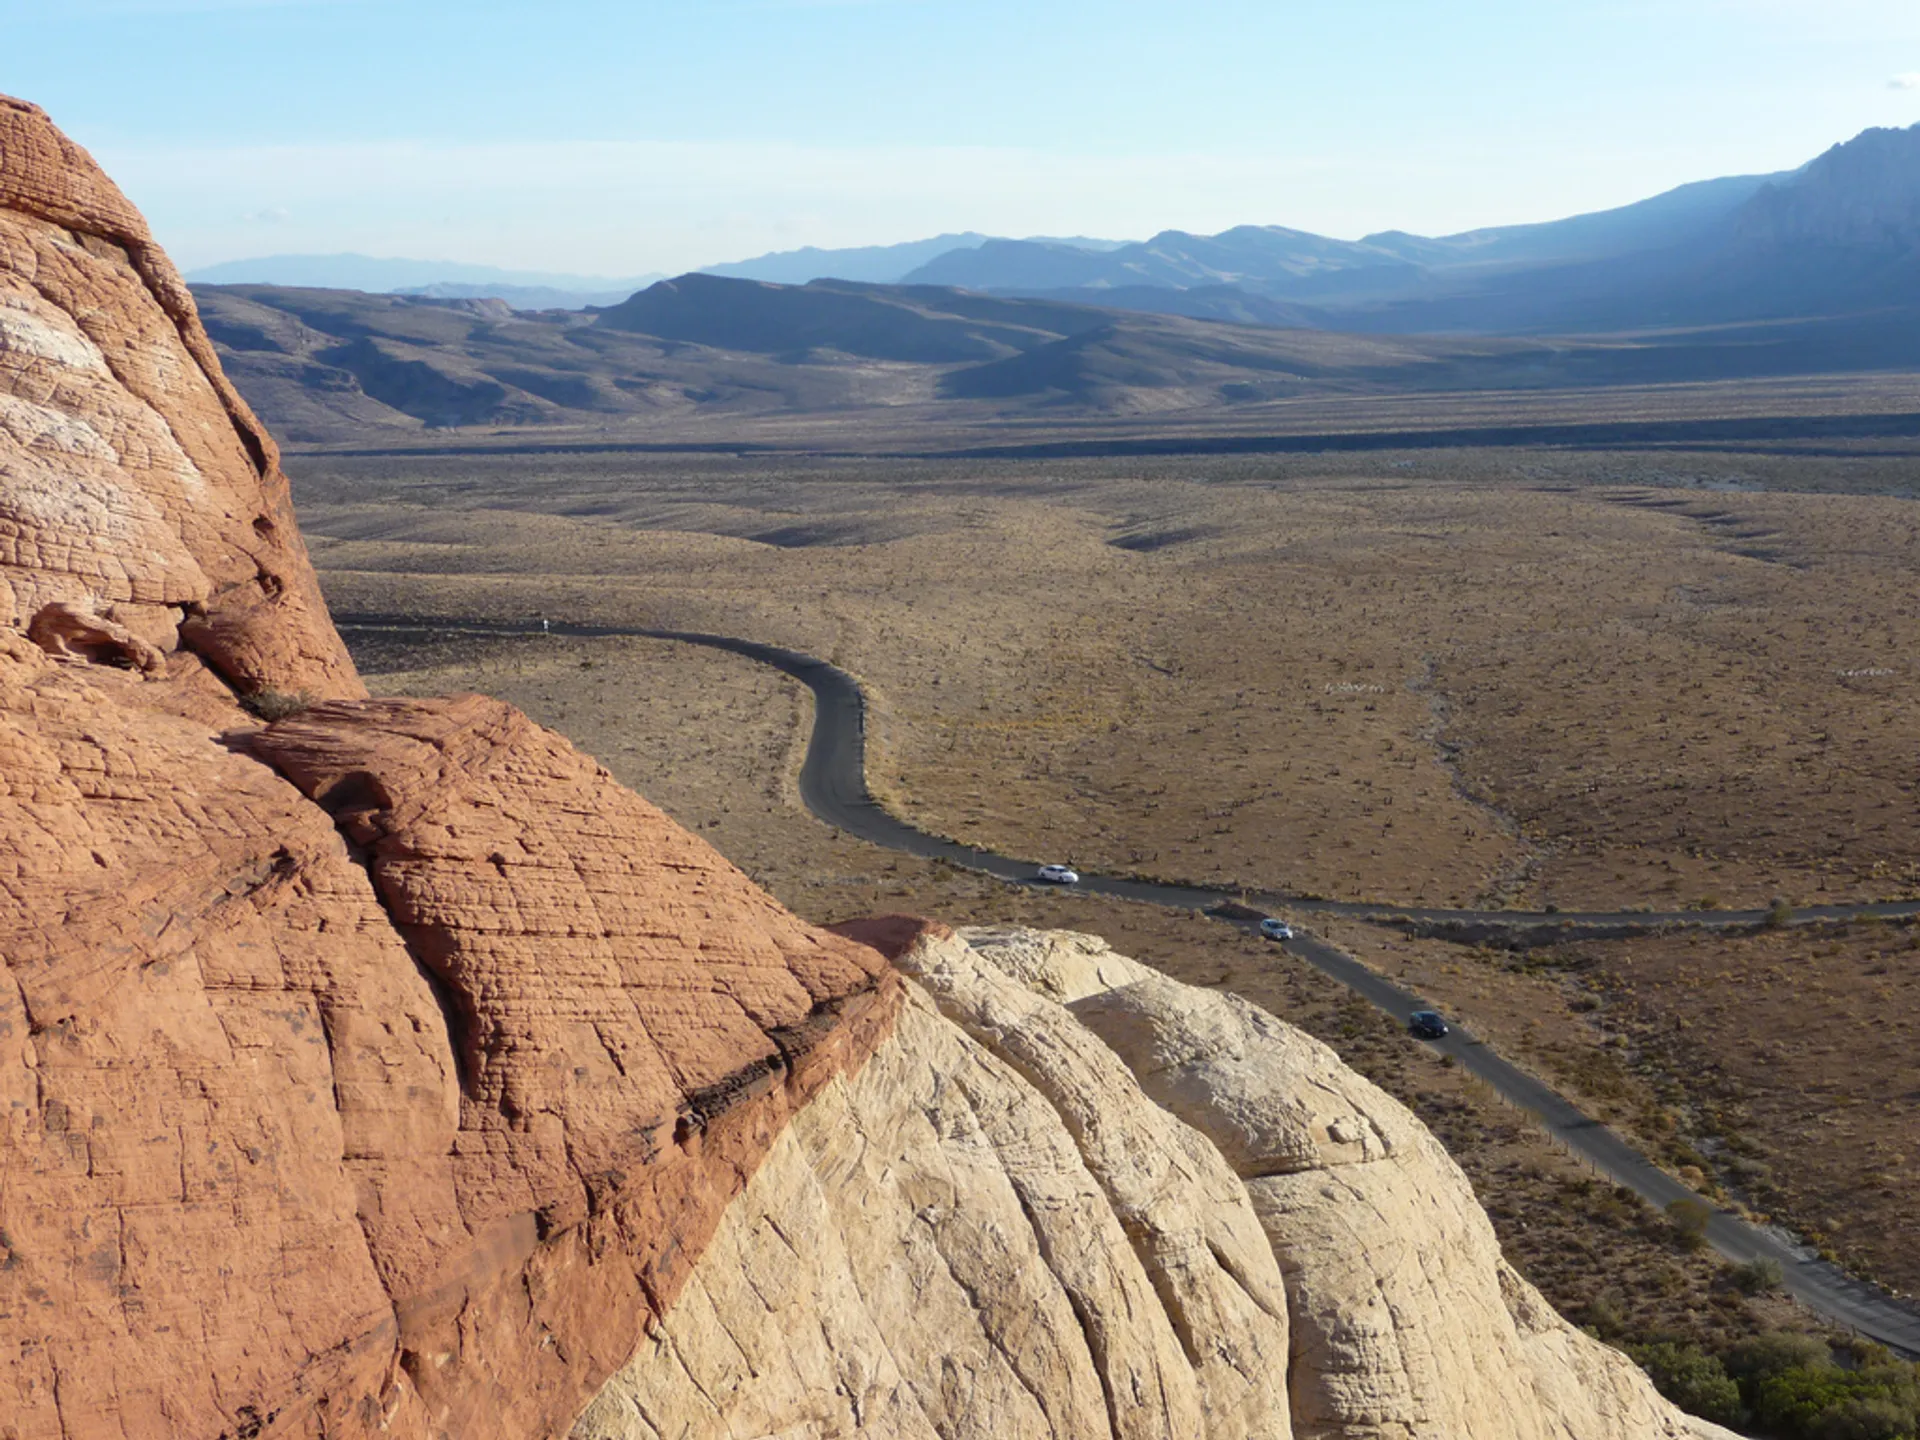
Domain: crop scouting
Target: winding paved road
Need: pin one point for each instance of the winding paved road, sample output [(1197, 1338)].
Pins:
[(833, 786)]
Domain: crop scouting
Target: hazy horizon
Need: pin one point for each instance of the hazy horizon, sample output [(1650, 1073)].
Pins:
[(602, 140), (545, 276)]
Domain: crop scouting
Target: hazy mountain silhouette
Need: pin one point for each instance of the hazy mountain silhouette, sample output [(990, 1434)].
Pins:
[(1839, 236), (1267, 260), (881, 263), (440, 279), (335, 364), (1674, 217), (522, 297), (1277, 263), (878, 264), (544, 290)]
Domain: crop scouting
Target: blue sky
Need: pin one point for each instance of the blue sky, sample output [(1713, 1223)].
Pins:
[(615, 139)]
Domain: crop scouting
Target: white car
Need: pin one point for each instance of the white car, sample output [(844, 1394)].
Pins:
[(1276, 929), (1059, 875)]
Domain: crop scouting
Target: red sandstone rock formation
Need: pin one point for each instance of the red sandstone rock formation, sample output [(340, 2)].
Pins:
[(387, 1070), (384, 1070), (138, 483)]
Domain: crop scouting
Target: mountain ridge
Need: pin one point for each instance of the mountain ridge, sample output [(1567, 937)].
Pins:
[(325, 365), (1279, 263), (549, 290), (1839, 234), (1684, 256)]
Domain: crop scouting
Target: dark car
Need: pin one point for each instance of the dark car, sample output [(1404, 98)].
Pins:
[(1426, 1025)]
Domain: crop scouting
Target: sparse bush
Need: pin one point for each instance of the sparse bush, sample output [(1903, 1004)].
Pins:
[(1604, 1316), (1779, 915), (271, 705), (1756, 1277), (1689, 1218)]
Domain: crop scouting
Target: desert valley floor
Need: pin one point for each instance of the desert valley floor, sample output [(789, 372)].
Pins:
[(1517, 677)]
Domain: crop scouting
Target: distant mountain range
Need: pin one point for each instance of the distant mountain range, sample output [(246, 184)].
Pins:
[(1842, 233), (1813, 271), (875, 264), (1276, 263), (1839, 235), (435, 279), (543, 290), (327, 365)]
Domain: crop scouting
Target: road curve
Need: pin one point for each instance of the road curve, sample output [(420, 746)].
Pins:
[(833, 786)]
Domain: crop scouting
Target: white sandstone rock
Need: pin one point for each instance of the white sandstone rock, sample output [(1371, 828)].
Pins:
[(1072, 1198)]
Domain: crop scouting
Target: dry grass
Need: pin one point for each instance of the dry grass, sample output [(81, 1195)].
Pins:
[(1786, 1059), (1533, 679), (1450, 690), (710, 738)]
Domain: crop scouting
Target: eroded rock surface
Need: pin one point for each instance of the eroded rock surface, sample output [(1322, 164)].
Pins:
[(633, 1020), (1055, 1130), (370, 1132), (203, 1014), (134, 481), (393, 1101), (390, 1071)]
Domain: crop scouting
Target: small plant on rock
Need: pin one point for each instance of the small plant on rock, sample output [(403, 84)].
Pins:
[(271, 705)]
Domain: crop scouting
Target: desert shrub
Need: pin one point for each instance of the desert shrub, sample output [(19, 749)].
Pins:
[(1827, 1403), (1779, 915), (271, 705), (1794, 1391), (1604, 1317), (1692, 1379), (1756, 1277), (1774, 1352), (1868, 1420), (1689, 1217)]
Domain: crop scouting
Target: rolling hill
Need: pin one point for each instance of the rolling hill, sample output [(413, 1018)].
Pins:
[(1838, 236), (325, 365)]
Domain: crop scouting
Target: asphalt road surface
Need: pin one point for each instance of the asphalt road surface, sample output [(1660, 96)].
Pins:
[(833, 786)]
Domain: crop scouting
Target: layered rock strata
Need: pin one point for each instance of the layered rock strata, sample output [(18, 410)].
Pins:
[(138, 488), (631, 1021), (1074, 1198), (389, 1070), (384, 1071)]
